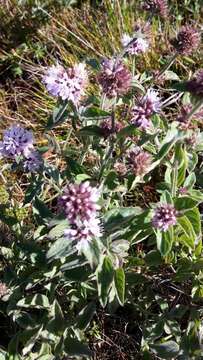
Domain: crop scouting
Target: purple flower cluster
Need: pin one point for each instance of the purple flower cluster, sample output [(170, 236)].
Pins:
[(18, 142), (146, 107), (79, 203), (165, 216), (140, 161), (69, 84), (156, 7), (107, 130), (187, 41), (134, 45), (114, 78)]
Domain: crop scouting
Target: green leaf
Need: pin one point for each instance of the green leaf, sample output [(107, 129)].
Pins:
[(58, 230), (41, 209), (153, 258), (32, 190), (73, 264), (170, 75), (37, 301), (165, 148), (61, 248), (190, 181), (92, 252), (74, 347), (185, 203), (85, 316), (196, 195), (192, 160), (56, 324), (194, 218), (95, 112), (127, 131), (60, 114), (187, 227), (181, 86), (117, 218), (167, 350), (74, 167), (91, 130), (94, 63), (119, 280), (164, 241), (105, 275)]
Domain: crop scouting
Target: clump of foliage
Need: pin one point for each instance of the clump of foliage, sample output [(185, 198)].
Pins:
[(105, 216)]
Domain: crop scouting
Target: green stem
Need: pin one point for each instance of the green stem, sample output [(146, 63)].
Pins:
[(110, 147), (174, 179)]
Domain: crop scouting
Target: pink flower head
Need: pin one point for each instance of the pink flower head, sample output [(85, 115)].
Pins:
[(107, 130), (79, 201), (134, 45), (152, 101), (156, 7), (165, 216), (187, 41), (83, 232), (69, 85), (16, 141), (114, 78), (140, 161), (146, 107)]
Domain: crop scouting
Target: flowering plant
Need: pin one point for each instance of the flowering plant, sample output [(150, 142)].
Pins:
[(85, 247)]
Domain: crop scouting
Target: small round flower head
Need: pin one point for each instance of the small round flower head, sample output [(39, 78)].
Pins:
[(114, 78), (83, 232), (16, 141), (146, 107), (187, 41), (156, 7), (120, 168), (140, 161), (69, 85), (165, 215), (134, 45), (54, 79), (183, 190), (79, 201), (32, 162), (152, 101), (195, 86), (106, 127)]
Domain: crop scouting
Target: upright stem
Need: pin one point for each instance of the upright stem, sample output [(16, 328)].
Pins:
[(110, 146), (174, 179)]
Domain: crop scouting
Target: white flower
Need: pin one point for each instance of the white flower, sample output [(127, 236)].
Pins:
[(69, 85), (153, 100), (134, 45), (83, 232)]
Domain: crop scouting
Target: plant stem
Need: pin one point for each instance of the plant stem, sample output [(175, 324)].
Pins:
[(110, 147), (174, 179)]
